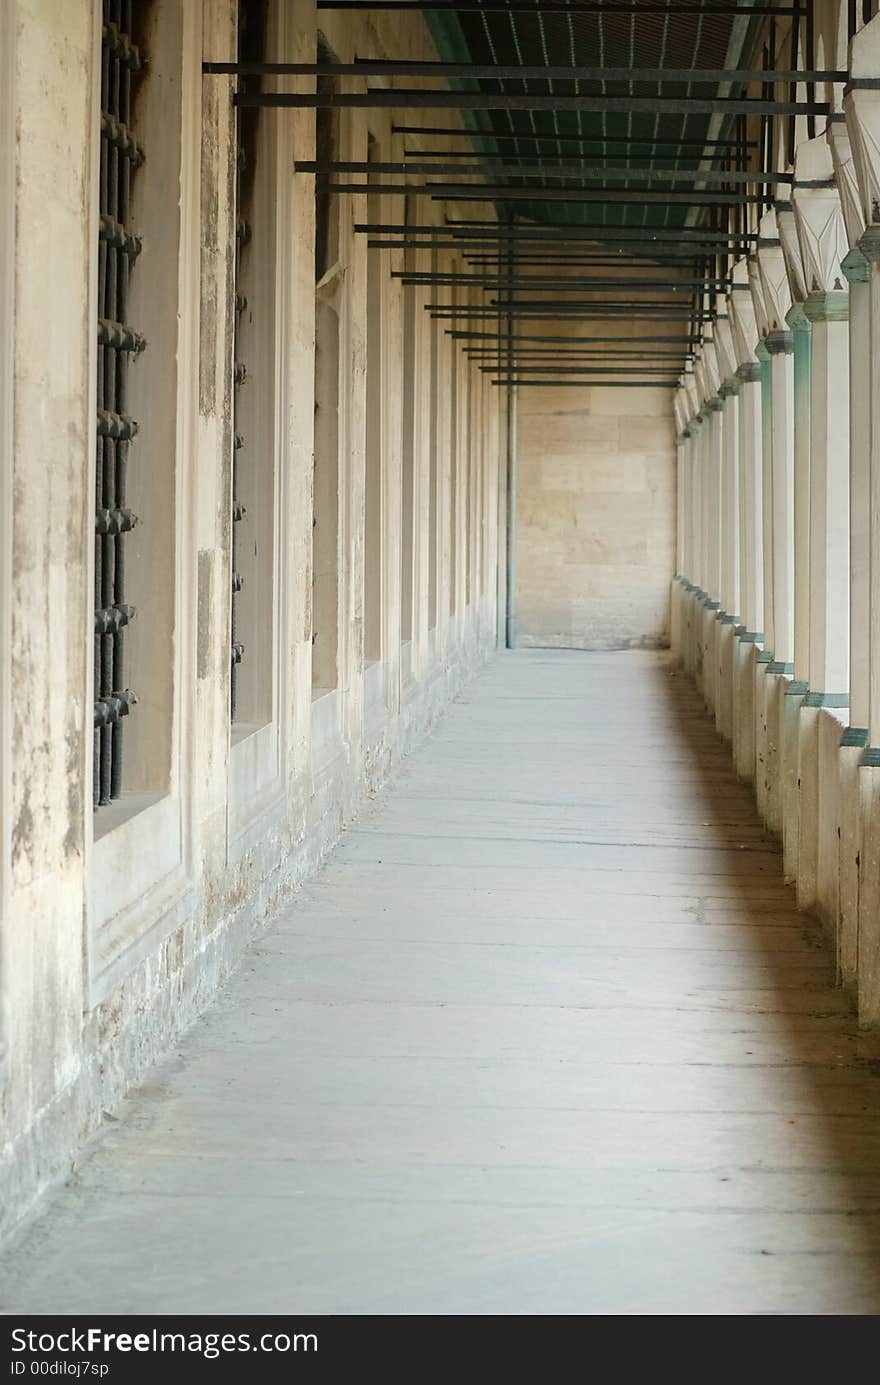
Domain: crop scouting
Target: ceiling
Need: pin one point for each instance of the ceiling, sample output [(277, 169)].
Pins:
[(619, 139)]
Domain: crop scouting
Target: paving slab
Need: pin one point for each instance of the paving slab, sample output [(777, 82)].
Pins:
[(546, 1034)]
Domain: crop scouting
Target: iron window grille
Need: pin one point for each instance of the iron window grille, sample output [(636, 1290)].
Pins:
[(118, 249), (252, 16)]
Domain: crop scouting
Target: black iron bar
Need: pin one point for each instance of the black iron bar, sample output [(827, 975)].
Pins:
[(627, 313), (586, 347), (684, 339), (407, 98), (494, 192), (595, 156), (581, 370), (575, 7), (496, 72), (558, 262), (520, 383), (483, 248), (477, 230), (530, 282), (535, 137), (570, 171)]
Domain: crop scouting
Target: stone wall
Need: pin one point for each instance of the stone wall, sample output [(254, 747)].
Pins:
[(595, 531), (117, 927)]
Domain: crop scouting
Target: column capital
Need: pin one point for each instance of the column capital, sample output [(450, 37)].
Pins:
[(682, 438), (870, 244), (751, 372), (761, 352), (798, 319), (715, 404), (728, 387), (832, 306), (856, 266), (779, 343)]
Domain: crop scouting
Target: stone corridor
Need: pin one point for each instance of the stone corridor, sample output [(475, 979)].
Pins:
[(545, 1035)]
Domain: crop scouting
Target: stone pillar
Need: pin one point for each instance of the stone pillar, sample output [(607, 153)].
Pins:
[(862, 109), (829, 581), (697, 594), (796, 687), (749, 633), (766, 656), (705, 369), (727, 617), (854, 739), (714, 448), (829, 500), (823, 244), (780, 346), (680, 577), (799, 324)]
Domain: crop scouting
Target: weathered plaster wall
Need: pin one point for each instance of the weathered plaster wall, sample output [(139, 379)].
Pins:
[(117, 930), (595, 515)]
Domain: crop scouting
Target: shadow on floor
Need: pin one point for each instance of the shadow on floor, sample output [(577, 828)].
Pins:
[(821, 1035)]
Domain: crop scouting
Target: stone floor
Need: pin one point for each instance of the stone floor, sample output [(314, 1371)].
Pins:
[(546, 1035)]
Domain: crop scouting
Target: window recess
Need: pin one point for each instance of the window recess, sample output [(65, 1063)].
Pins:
[(118, 344)]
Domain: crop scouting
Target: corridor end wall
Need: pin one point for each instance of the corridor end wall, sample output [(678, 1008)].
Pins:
[(595, 517)]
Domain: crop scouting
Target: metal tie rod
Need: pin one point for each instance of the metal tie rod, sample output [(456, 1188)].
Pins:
[(482, 233), (495, 192), (581, 370), (533, 283), (576, 7), (593, 384), (482, 170), (682, 339), (496, 72), (540, 232), (561, 248), (536, 137), (419, 99)]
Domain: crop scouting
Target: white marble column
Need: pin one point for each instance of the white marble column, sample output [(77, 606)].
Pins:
[(749, 632), (829, 500), (862, 109), (727, 617), (677, 592), (799, 325), (822, 239), (854, 738), (780, 347), (765, 754), (712, 410)]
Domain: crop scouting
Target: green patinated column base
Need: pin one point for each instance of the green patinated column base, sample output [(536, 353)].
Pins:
[(749, 636), (799, 688), (871, 758), (855, 736), (822, 699), (765, 657), (778, 666), (724, 619)]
